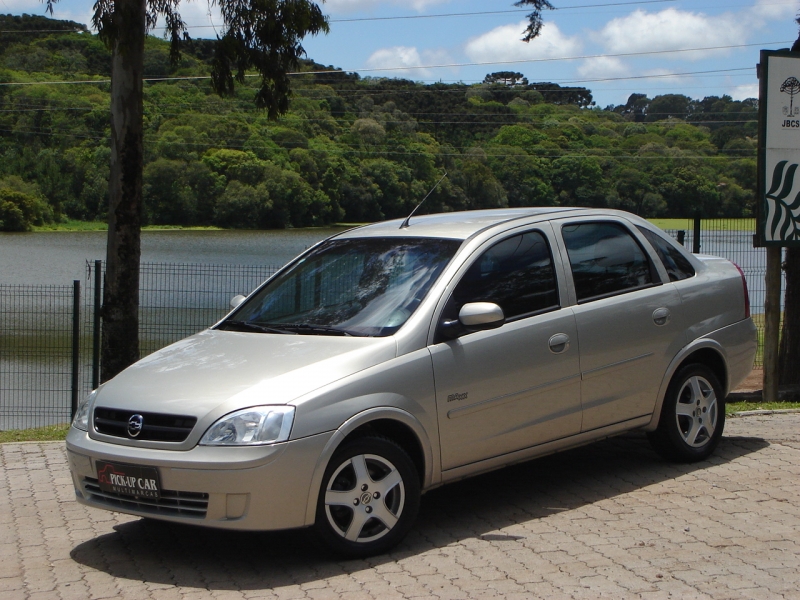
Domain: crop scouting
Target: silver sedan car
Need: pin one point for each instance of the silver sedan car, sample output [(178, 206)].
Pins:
[(394, 358)]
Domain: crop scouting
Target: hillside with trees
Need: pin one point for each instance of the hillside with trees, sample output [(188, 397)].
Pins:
[(350, 149)]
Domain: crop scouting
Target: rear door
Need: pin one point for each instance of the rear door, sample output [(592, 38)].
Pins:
[(625, 316), (516, 386)]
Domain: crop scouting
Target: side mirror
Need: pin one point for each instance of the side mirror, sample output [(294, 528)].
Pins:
[(474, 316), (237, 300), (477, 316)]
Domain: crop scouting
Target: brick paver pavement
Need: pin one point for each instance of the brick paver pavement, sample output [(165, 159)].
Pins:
[(608, 520)]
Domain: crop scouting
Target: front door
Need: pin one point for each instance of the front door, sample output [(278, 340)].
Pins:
[(510, 388)]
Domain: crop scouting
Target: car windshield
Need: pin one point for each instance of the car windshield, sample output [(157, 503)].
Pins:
[(362, 287)]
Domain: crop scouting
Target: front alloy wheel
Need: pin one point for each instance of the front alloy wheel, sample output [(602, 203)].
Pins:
[(692, 416), (369, 498)]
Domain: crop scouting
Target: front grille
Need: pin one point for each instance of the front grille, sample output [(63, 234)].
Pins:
[(157, 427), (184, 504)]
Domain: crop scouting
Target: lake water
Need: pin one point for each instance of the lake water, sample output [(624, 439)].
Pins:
[(34, 385), (59, 257), (35, 346)]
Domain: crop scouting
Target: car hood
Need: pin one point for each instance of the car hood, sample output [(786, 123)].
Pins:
[(226, 370)]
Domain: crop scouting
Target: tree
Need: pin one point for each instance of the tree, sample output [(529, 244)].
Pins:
[(260, 34), (535, 18), (509, 78), (668, 106), (19, 211)]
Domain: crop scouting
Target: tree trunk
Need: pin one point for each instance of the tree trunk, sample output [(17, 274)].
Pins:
[(789, 356), (120, 342)]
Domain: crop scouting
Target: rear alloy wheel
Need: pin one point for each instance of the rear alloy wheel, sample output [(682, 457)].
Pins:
[(692, 417), (369, 497)]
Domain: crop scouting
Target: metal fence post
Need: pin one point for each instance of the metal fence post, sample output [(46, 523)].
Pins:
[(696, 240), (98, 282), (76, 339)]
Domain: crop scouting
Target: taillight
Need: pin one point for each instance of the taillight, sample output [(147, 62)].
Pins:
[(746, 293)]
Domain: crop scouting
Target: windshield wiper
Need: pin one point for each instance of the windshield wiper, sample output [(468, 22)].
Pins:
[(309, 329), (248, 326)]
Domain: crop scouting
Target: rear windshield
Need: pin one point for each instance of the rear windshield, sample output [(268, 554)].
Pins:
[(366, 287)]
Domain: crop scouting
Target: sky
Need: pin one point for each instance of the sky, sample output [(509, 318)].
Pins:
[(613, 47)]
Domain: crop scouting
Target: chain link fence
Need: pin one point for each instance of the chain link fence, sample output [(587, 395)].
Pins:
[(38, 378), (175, 301), (733, 239), (41, 374)]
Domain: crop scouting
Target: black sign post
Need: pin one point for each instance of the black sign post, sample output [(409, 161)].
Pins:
[(778, 205)]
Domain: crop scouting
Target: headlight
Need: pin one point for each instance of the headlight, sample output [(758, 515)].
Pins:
[(81, 420), (251, 427)]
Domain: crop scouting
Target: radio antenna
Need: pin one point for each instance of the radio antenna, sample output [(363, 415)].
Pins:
[(404, 225)]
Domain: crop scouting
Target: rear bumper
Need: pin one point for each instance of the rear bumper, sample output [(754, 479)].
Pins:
[(258, 488), (740, 342)]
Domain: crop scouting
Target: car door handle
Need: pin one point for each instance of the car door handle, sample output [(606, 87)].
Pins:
[(559, 343), (661, 316)]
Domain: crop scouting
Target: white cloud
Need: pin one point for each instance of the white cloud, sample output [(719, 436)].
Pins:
[(407, 61), (742, 92), (603, 66), (79, 13), (200, 17), (775, 10), (664, 76), (505, 44), (343, 6), (672, 29)]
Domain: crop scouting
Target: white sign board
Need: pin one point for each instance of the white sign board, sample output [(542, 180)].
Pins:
[(779, 215)]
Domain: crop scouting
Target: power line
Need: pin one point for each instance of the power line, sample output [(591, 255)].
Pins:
[(555, 59), (72, 30), (416, 17), (482, 13), (435, 152), (660, 76), (399, 17), (247, 108), (531, 60), (497, 12)]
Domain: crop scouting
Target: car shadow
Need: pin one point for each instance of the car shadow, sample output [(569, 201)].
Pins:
[(480, 507)]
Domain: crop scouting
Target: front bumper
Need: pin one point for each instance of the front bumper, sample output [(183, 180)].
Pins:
[(250, 488)]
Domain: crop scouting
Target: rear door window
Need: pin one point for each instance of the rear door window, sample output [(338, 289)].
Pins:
[(605, 260)]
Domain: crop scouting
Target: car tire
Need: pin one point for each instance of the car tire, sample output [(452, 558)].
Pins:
[(692, 416), (369, 497)]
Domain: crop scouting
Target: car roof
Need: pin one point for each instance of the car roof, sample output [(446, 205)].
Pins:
[(454, 225)]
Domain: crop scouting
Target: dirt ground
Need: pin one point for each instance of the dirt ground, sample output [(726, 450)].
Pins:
[(752, 383)]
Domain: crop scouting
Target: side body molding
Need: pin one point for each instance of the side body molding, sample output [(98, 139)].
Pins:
[(429, 478)]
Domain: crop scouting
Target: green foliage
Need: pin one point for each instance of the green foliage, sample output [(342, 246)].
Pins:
[(354, 149), (21, 207)]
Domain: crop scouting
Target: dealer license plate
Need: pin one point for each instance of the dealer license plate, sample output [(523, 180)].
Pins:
[(129, 480)]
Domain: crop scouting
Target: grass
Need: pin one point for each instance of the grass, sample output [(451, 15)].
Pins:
[(733, 407), (758, 320), (71, 225), (51, 433), (685, 224), (708, 224)]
